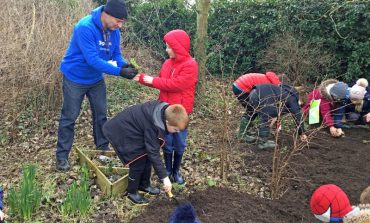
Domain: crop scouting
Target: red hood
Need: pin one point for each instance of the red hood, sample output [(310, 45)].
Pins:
[(179, 41)]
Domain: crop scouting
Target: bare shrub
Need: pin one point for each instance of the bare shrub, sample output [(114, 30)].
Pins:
[(283, 125), (302, 60), (35, 35)]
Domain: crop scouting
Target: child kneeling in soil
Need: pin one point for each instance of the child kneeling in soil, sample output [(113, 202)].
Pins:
[(244, 85), (332, 95), (358, 107), (136, 135), (269, 101)]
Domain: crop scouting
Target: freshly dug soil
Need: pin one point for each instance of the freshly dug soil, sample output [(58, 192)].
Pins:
[(344, 162)]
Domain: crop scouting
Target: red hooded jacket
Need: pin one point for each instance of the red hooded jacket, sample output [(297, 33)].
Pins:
[(247, 81), (178, 76)]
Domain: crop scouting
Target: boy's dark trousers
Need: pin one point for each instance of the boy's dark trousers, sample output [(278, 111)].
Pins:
[(139, 175)]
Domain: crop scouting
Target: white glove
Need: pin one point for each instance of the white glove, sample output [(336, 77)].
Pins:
[(2, 215), (167, 185)]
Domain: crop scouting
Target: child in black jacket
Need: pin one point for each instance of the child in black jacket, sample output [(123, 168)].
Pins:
[(136, 135), (269, 101)]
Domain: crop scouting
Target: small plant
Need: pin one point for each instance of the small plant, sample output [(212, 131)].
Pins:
[(211, 183), (177, 188), (133, 62), (26, 200), (78, 201)]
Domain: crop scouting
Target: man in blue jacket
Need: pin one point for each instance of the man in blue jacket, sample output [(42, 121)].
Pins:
[(94, 49)]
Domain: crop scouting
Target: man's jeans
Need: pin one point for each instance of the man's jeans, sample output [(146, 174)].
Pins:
[(73, 95), (176, 142)]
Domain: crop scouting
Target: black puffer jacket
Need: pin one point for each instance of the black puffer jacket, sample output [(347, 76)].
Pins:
[(139, 130), (268, 99)]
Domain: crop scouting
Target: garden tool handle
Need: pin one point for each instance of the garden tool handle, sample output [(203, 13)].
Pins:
[(170, 194)]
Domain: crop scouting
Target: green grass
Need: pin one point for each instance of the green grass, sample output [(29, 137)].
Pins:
[(122, 93)]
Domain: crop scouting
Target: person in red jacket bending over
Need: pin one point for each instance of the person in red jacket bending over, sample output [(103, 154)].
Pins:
[(243, 86), (176, 82)]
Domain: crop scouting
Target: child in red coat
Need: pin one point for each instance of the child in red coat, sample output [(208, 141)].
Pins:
[(332, 95), (176, 82)]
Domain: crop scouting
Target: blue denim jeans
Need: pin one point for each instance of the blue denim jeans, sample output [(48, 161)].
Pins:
[(73, 95), (176, 142)]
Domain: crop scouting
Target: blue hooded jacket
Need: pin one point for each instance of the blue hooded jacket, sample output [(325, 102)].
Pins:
[(86, 58)]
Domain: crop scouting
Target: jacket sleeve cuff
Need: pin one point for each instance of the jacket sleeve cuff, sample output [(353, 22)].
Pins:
[(141, 80)]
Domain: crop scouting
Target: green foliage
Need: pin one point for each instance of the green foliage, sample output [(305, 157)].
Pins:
[(177, 188), (78, 201), (25, 201), (240, 32), (151, 20)]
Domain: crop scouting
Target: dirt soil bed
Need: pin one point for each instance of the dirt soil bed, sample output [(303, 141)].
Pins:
[(344, 161)]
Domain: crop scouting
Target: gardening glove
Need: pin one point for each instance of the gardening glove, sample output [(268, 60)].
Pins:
[(148, 79), (2, 215), (167, 185), (128, 65), (128, 72)]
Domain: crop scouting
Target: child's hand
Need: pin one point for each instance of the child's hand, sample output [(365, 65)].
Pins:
[(367, 117), (148, 79), (340, 132), (167, 185), (333, 131), (303, 137), (2, 215), (137, 78)]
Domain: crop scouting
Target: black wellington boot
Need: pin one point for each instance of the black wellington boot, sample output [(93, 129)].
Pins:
[(168, 162), (137, 198), (176, 169), (145, 182)]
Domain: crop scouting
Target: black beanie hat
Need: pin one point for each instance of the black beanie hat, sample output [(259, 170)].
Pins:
[(116, 8)]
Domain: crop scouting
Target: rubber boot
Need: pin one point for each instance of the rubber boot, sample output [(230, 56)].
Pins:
[(250, 138), (137, 198), (266, 144), (168, 162), (132, 190), (145, 182), (243, 124), (176, 169)]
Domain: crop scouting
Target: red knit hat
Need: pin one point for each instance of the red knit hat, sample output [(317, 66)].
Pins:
[(329, 203)]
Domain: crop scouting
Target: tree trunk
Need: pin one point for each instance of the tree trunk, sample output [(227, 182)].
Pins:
[(200, 43)]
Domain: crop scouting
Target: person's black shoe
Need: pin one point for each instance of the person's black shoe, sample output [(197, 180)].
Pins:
[(151, 190), (137, 199), (62, 165)]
